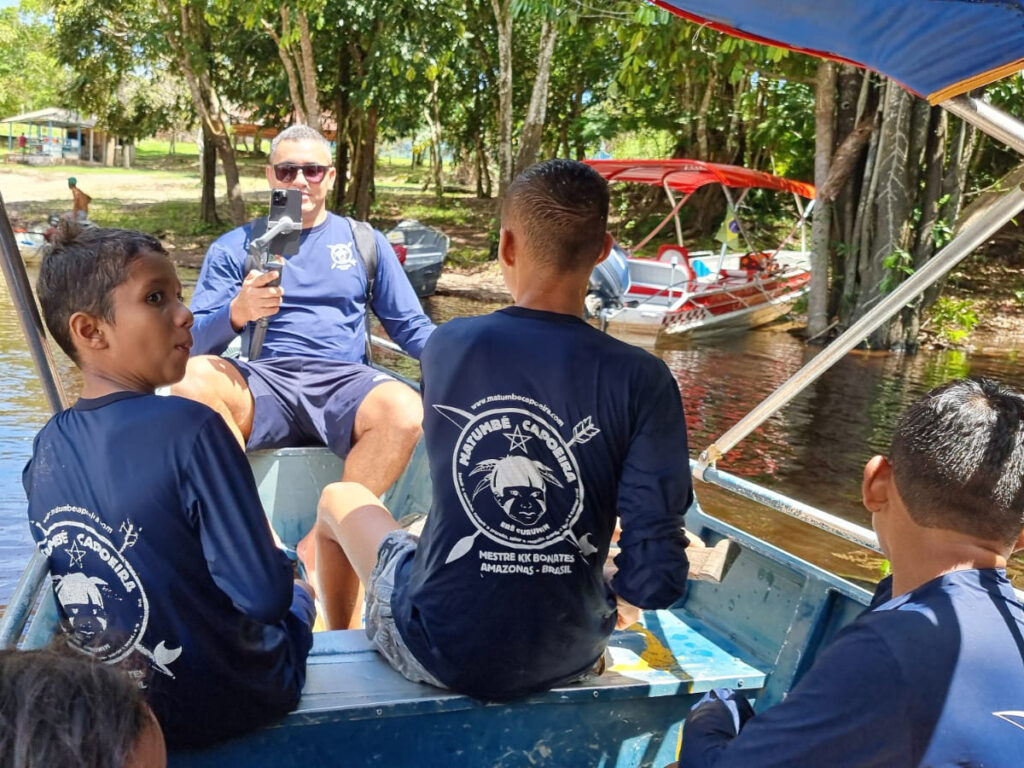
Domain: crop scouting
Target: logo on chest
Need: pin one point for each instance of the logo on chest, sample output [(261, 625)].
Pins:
[(341, 256)]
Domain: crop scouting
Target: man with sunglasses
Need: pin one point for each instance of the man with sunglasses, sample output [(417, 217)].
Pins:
[(311, 384)]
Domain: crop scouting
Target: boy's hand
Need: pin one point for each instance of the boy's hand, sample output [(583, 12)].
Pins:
[(256, 299)]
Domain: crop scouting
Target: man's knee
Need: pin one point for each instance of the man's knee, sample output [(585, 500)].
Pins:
[(204, 377), (397, 408)]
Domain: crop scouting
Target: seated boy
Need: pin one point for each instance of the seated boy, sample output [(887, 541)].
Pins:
[(933, 673), (146, 507), (540, 431)]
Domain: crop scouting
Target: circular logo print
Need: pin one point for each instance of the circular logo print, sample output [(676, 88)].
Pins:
[(100, 596), (517, 478)]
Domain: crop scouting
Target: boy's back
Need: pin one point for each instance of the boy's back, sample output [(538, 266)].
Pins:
[(540, 429), (934, 677), (148, 513)]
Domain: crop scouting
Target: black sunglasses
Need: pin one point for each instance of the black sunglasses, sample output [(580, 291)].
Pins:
[(312, 172)]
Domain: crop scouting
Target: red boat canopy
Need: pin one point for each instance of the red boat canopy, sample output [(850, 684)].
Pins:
[(936, 48), (687, 175)]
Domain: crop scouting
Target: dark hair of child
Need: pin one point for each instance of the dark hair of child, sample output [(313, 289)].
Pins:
[(61, 708), (958, 459), (80, 269), (562, 208)]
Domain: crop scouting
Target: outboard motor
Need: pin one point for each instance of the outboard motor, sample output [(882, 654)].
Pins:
[(608, 284)]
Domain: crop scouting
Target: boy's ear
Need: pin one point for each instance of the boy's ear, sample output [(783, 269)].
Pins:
[(875, 488), (87, 331), (609, 241), (506, 246)]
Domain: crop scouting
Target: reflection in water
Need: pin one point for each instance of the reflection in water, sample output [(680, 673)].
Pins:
[(813, 450)]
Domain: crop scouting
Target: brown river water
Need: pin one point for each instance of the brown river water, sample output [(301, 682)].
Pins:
[(813, 450)]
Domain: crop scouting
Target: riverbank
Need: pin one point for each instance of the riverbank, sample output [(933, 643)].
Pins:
[(161, 196)]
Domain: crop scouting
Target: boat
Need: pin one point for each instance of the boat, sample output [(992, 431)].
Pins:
[(757, 630), (678, 291), (421, 250)]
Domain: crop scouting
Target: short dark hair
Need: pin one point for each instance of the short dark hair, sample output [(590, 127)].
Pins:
[(958, 459), (62, 708), (562, 208), (80, 269)]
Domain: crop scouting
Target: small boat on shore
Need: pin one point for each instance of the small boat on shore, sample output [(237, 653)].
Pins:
[(678, 291), (421, 251)]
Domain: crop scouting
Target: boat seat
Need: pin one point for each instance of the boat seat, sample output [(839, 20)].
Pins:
[(667, 252), (661, 656)]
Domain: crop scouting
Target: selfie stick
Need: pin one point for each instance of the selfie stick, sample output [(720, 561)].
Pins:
[(259, 249)]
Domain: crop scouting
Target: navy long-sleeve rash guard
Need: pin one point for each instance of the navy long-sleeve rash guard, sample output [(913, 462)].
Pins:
[(158, 548), (324, 306), (934, 677), (540, 431)]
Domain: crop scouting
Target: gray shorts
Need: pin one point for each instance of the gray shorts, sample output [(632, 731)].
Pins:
[(379, 621)]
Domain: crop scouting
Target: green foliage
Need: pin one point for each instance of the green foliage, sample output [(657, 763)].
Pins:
[(30, 76), (898, 264), (952, 320)]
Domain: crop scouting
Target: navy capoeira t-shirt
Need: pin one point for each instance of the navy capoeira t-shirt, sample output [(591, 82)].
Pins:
[(934, 677), (158, 549), (540, 430), (324, 305)]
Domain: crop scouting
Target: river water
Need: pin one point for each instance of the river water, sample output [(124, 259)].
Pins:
[(813, 450)]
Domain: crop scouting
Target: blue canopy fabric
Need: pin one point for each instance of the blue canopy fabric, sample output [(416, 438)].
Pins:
[(935, 48)]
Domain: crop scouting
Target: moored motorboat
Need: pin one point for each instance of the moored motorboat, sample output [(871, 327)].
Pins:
[(677, 291)]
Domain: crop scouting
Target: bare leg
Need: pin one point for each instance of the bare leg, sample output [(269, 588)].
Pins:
[(351, 524), (387, 427), (215, 382)]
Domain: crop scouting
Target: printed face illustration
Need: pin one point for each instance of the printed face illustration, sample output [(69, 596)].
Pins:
[(80, 597), (519, 488)]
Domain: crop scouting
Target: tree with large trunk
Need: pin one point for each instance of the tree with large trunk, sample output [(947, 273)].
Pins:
[(188, 34), (294, 43), (503, 20), (533, 125), (825, 89)]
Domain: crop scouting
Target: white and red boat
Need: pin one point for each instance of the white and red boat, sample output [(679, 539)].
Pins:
[(678, 291)]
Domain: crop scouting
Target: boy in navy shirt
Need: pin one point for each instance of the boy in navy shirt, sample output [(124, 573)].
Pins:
[(541, 431), (933, 673), (147, 510)]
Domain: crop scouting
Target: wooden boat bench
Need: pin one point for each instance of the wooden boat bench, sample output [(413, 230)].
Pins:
[(356, 710)]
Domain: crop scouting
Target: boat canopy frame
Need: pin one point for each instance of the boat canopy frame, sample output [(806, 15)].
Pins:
[(687, 176)]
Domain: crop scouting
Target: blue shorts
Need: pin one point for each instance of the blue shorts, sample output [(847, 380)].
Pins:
[(306, 401)]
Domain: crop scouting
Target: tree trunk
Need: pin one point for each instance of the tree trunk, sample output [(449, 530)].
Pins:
[(703, 140), (365, 166), (432, 112), (343, 116), (285, 54), (208, 163), (533, 126), (824, 107), (503, 17), (892, 206), (186, 28), (310, 90)]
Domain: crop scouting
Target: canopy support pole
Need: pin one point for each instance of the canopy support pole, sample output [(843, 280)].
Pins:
[(675, 209), (27, 591)]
